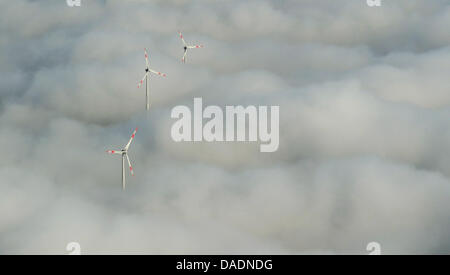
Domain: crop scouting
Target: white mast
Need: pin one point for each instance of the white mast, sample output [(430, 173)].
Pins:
[(123, 171)]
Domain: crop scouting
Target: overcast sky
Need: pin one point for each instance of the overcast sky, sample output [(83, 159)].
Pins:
[(364, 96)]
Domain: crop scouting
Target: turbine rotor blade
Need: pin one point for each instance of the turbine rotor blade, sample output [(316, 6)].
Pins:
[(129, 164), (184, 57), (114, 152), (131, 139), (146, 57), (182, 39), (142, 81), (195, 46), (157, 73)]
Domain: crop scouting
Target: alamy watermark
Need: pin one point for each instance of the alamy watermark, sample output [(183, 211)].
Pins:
[(374, 3), (73, 3), (374, 248), (74, 248), (233, 129)]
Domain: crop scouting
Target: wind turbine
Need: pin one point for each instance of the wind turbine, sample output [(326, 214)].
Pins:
[(146, 76), (186, 47), (124, 153)]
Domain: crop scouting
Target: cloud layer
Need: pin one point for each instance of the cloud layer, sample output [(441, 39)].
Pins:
[(364, 129)]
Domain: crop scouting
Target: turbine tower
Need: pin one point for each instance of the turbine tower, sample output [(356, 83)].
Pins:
[(186, 47), (124, 153), (146, 76)]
